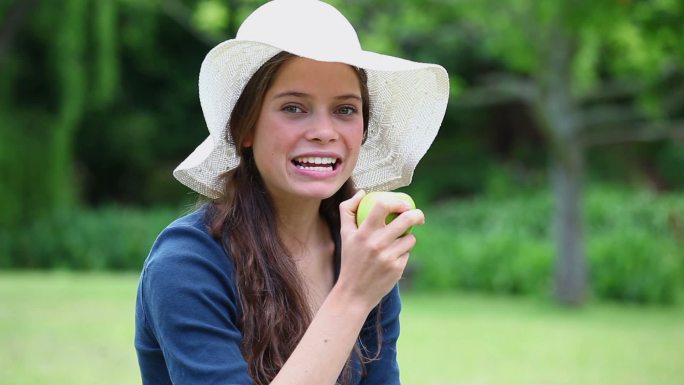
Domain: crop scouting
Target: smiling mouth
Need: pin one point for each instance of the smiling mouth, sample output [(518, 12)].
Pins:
[(316, 163)]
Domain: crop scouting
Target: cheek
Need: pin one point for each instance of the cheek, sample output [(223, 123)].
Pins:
[(357, 136), (354, 140), (265, 132)]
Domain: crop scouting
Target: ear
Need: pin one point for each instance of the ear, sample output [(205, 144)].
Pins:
[(248, 141)]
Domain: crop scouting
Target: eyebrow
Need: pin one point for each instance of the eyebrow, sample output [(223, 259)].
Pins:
[(305, 95)]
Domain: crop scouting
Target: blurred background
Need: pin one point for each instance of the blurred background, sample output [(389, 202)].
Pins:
[(557, 175)]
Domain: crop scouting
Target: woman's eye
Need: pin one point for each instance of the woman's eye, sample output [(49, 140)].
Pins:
[(346, 110), (293, 109)]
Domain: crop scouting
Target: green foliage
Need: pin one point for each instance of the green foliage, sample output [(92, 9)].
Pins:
[(629, 265), (211, 16), (98, 103), (635, 245), (42, 113), (109, 238), (491, 245), (619, 38), (68, 55), (81, 75), (670, 163), (107, 63), (500, 245)]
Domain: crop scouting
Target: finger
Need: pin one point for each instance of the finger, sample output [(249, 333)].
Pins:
[(401, 262), (381, 209), (348, 211), (401, 224), (402, 246)]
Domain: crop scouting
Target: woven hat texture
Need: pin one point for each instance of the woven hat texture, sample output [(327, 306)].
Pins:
[(407, 99)]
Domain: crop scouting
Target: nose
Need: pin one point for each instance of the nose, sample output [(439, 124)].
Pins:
[(322, 129)]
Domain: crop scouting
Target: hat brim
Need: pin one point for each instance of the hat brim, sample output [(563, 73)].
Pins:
[(407, 104)]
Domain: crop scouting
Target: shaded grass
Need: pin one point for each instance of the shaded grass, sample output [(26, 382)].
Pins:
[(64, 328)]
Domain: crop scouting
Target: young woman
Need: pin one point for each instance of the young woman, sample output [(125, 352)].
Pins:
[(271, 281)]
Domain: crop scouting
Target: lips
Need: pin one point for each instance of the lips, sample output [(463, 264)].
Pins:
[(316, 163)]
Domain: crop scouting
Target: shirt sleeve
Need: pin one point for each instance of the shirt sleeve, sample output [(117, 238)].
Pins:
[(190, 305), (385, 369)]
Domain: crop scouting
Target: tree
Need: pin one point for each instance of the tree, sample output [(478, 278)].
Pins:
[(587, 71), (39, 114), (61, 77), (590, 73)]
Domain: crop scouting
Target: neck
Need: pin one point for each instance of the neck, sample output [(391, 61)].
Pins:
[(300, 226), (306, 235)]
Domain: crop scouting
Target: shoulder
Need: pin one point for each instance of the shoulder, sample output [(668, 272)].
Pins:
[(188, 268), (188, 308), (186, 258), (187, 241)]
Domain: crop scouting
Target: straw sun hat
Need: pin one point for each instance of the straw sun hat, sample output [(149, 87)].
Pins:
[(407, 99)]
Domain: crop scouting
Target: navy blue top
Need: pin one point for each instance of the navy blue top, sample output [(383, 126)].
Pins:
[(187, 313)]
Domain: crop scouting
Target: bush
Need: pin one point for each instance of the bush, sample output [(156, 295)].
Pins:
[(633, 266), (635, 245), (108, 238), (491, 245), (636, 250), (669, 163)]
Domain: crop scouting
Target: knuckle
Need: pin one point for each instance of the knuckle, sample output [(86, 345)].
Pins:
[(411, 240), (375, 247)]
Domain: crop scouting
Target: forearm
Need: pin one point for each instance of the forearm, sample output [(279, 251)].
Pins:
[(320, 356)]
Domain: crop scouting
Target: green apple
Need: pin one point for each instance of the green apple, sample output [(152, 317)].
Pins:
[(369, 200)]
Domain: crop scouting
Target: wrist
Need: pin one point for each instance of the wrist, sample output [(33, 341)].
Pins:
[(352, 303)]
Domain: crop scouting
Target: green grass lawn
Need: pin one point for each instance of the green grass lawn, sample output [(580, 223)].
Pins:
[(478, 340), (72, 329)]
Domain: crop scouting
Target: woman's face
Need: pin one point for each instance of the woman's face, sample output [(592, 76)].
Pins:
[(310, 128)]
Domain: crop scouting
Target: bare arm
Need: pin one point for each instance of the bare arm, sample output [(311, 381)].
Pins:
[(373, 259)]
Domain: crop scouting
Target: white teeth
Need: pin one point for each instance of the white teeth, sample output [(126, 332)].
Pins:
[(316, 160), (312, 163), (314, 168)]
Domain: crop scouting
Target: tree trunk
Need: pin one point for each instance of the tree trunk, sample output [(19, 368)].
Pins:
[(558, 117), (570, 269)]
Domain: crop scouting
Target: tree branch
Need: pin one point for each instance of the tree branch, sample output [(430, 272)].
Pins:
[(499, 89), (607, 115), (611, 91), (644, 132)]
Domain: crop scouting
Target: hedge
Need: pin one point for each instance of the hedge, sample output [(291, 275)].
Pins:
[(634, 244)]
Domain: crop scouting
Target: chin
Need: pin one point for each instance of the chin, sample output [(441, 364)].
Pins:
[(318, 191)]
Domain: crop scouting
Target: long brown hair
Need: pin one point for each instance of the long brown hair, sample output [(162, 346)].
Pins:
[(275, 310)]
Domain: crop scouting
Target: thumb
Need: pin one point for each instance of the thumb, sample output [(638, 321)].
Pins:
[(348, 211)]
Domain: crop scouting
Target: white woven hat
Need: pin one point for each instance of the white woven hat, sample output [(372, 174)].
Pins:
[(407, 99)]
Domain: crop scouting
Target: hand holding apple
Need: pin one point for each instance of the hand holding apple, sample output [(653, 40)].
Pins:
[(375, 254), (370, 199)]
